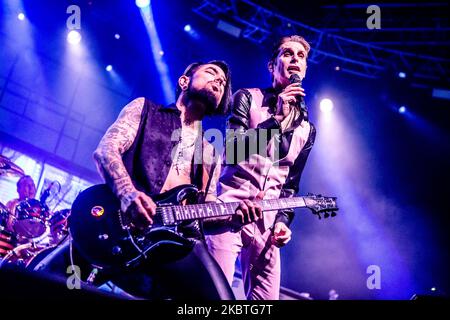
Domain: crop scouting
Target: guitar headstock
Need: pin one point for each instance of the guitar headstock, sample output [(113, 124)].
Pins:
[(319, 204)]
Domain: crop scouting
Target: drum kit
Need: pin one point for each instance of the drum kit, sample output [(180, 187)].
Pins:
[(31, 228)]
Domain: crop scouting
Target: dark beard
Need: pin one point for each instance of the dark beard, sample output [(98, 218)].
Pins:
[(202, 96)]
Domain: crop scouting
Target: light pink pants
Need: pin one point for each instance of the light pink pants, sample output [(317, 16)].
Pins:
[(260, 260)]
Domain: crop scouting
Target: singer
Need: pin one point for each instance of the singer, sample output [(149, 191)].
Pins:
[(281, 109)]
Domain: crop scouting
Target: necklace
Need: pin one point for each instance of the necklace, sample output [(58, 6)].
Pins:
[(185, 152)]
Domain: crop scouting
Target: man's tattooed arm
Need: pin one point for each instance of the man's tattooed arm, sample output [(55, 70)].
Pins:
[(116, 141)]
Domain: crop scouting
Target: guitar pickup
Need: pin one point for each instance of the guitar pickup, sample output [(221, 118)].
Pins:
[(166, 215)]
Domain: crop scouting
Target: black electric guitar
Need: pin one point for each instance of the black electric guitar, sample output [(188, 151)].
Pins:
[(103, 237)]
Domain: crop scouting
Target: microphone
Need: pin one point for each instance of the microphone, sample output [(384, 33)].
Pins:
[(46, 193), (295, 78)]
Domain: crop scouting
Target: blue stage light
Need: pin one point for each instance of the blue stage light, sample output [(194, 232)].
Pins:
[(142, 3), (158, 55), (73, 37), (326, 105)]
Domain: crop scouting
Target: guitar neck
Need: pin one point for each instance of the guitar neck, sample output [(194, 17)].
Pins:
[(282, 203), (210, 210)]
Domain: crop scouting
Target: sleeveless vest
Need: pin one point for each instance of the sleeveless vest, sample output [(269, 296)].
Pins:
[(148, 160)]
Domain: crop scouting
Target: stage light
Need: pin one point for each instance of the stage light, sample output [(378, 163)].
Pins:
[(402, 109), (402, 75), (433, 289), (191, 31), (73, 37), (117, 36), (337, 68), (229, 28), (161, 64), (21, 16), (109, 68), (441, 93), (326, 105), (142, 3)]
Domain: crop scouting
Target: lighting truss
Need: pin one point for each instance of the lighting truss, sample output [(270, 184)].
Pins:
[(263, 26)]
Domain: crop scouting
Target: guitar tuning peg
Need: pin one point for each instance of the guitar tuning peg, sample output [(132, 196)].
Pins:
[(318, 214), (326, 215), (333, 213)]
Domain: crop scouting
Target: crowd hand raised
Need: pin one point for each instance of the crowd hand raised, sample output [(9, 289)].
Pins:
[(139, 208), (286, 99), (281, 234)]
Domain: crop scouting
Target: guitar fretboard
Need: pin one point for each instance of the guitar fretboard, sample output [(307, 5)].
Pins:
[(205, 210)]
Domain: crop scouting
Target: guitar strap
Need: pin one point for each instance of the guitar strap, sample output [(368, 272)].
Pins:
[(198, 224), (209, 175), (201, 177)]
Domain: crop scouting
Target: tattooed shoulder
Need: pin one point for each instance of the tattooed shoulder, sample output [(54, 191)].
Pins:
[(118, 138), (131, 113), (122, 132)]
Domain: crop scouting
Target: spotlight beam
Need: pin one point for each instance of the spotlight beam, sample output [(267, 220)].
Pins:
[(142, 3), (161, 65)]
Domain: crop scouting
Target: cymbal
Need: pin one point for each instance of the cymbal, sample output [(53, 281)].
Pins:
[(9, 169)]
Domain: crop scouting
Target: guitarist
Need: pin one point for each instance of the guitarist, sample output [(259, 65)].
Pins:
[(273, 172), (150, 149)]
